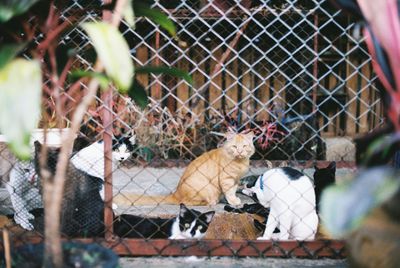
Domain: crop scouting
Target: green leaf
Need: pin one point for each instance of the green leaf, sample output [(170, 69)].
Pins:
[(9, 9), (113, 51), (166, 70), (129, 14), (20, 102), (382, 148), (138, 94), (156, 16), (101, 78), (8, 53)]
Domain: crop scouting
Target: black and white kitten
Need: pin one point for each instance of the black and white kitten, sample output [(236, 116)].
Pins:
[(24, 184), (91, 158), (189, 224)]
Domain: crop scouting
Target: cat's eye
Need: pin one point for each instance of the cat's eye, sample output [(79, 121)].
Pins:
[(187, 225), (200, 228), (234, 146)]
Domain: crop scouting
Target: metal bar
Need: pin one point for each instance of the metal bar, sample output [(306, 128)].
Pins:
[(315, 66), (157, 87)]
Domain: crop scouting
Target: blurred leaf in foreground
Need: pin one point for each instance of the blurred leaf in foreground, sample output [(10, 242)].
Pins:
[(113, 51), (20, 102), (11, 8), (344, 206)]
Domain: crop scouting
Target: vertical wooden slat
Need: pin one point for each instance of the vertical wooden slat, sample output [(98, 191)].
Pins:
[(315, 64), (246, 88), (378, 110), (271, 94), (183, 89), (364, 94), (156, 89), (199, 79), (374, 108), (142, 55), (169, 83), (279, 86), (231, 85), (332, 121), (351, 90), (216, 85), (263, 94)]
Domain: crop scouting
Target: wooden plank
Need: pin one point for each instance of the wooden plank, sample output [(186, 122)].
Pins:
[(199, 79), (332, 121), (156, 89), (231, 86), (142, 55), (182, 90), (271, 93), (351, 91), (263, 94), (365, 98), (246, 87), (280, 89), (379, 111), (216, 85), (375, 109)]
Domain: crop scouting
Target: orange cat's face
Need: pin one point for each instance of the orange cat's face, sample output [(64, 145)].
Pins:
[(239, 145)]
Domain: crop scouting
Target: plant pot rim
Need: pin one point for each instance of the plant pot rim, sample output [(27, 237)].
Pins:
[(53, 139)]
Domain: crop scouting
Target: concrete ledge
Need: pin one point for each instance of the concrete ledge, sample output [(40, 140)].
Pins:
[(340, 149)]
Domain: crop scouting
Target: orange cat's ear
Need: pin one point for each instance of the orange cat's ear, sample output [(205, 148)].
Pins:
[(250, 136), (230, 134)]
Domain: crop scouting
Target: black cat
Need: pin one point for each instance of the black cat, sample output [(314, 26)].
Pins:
[(82, 206)]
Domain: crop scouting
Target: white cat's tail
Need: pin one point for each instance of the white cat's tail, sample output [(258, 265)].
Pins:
[(123, 199)]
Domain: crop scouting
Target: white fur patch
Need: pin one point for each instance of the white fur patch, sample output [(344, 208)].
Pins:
[(90, 160), (292, 204), (24, 193)]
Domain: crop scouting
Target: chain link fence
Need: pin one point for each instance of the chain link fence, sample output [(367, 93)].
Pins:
[(294, 73)]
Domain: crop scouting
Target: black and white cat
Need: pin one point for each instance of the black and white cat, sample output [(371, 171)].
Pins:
[(24, 184), (91, 158), (323, 177), (290, 196), (189, 224)]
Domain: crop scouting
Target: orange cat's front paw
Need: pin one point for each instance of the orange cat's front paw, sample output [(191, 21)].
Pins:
[(235, 201)]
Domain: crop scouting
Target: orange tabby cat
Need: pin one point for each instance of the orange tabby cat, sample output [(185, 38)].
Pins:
[(208, 177)]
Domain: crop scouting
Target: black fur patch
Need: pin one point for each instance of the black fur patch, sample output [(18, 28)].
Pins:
[(323, 177), (293, 174)]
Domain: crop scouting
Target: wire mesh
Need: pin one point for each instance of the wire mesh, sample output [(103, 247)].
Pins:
[(294, 73)]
